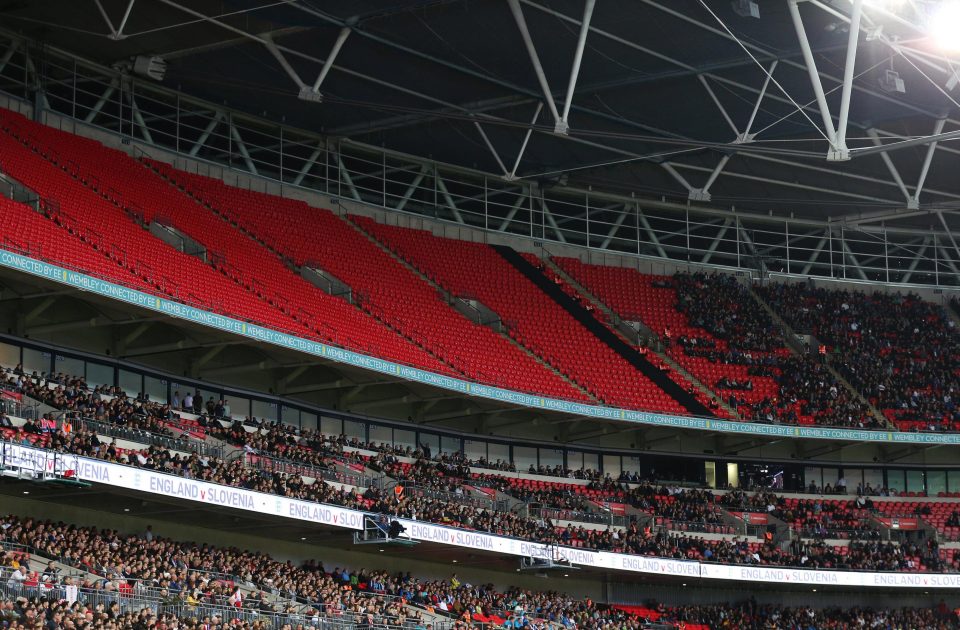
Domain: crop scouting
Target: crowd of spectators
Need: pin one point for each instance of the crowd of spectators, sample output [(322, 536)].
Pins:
[(185, 577), (200, 573), (806, 391), (445, 472), (633, 539), (749, 615), (900, 351)]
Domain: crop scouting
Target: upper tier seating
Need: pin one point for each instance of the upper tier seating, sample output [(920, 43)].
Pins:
[(718, 332), (900, 351), (475, 270), (383, 286), (256, 276)]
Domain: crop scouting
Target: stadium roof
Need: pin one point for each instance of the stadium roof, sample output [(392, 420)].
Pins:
[(663, 92)]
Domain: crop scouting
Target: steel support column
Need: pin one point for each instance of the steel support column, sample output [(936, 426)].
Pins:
[(894, 173), (535, 60), (577, 58), (642, 220), (513, 212), (526, 139), (123, 22), (614, 228), (716, 101), (8, 54), (412, 188), (811, 64), (328, 62), (309, 164), (927, 160), (496, 156), (848, 68), (202, 140)]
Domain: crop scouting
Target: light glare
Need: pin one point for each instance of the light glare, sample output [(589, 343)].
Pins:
[(945, 26)]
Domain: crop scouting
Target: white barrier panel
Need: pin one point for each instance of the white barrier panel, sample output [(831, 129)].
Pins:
[(480, 541), (162, 484), (88, 469), (788, 575)]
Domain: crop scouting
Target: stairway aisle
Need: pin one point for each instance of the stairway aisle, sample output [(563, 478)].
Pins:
[(631, 355)]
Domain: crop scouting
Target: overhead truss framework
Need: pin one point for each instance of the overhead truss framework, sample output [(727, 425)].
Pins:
[(834, 134), (860, 247)]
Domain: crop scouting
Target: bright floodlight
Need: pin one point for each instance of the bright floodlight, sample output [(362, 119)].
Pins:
[(945, 25)]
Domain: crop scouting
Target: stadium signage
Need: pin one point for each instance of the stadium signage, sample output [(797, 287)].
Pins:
[(40, 461), (30, 459), (220, 322)]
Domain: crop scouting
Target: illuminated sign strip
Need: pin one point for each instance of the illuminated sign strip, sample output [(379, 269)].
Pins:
[(339, 355)]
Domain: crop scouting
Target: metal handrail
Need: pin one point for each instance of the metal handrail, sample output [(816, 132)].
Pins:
[(269, 463)]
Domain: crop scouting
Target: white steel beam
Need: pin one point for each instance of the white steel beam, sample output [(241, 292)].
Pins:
[(106, 18), (849, 64), (703, 194), (138, 118), (848, 253), (784, 183), (715, 242), (615, 227), (927, 160), (328, 63), (8, 55), (123, 22), (894, 173), (818, 248), (107, 93), (946, 228), (746, 137), (242, 148), (526, 139), (412, 188), (513, 212), (577, 58), (535, 60), (668, 167), (202, 140), (496, 156), (551, 220), (642, 218), (716, 101), (442, 187), (291, 72), (811, 64), (305, 169), (945, 252), (344, 175), (916, 260), (750, 246)]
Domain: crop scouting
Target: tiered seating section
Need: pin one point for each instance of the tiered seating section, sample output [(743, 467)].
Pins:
[(657, 517), (384, 287), (475, 270), (719, 333), (899, 350), (81, 181), (217, 590)]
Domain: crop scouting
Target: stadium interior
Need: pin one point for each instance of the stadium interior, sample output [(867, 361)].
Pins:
[(442, 315)]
